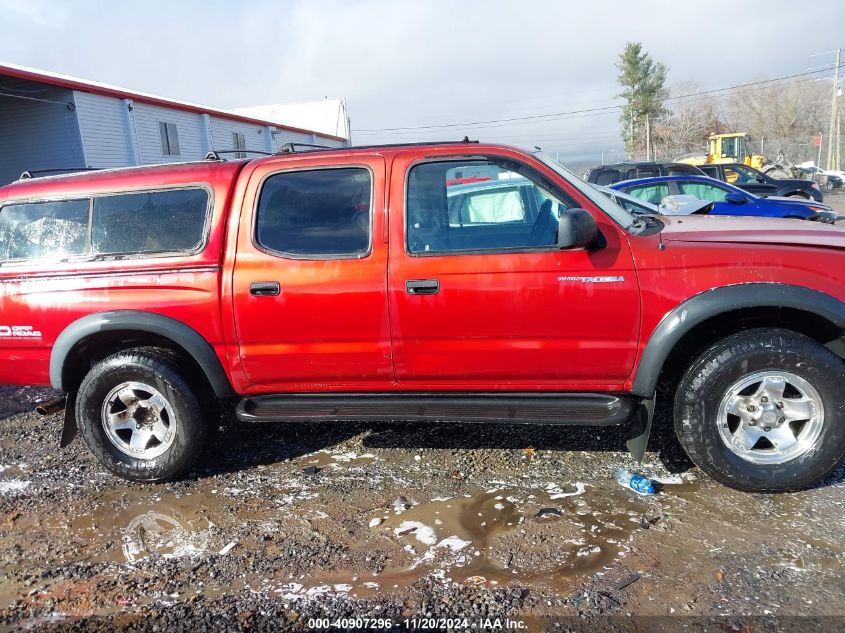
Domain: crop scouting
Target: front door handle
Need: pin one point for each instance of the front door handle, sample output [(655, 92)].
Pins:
[(422, 286), (265, 289)]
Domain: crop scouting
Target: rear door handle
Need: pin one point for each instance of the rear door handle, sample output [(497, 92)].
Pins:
[(265, 289), (422, 286)]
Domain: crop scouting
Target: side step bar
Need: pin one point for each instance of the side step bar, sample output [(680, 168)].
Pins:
[(538, 408)]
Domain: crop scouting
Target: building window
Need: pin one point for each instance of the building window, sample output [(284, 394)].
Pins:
[(239, 143), (169, 139)]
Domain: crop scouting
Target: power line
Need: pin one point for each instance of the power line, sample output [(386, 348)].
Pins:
[(417, 133), (585, 110)]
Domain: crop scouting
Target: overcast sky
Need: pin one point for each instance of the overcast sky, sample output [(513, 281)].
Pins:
[(417, 63)]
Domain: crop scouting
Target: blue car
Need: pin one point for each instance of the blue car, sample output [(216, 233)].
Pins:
[(726, 199)]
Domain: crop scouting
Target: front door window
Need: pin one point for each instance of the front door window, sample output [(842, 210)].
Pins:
[(476, 206), (703, 191)]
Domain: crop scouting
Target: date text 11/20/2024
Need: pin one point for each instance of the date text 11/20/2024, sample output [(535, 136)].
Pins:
[(417, 624)]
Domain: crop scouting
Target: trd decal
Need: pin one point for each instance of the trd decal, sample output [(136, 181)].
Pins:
[(18, 331)]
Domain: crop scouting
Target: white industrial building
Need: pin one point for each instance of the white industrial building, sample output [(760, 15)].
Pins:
[(327, 116), (54, 122)]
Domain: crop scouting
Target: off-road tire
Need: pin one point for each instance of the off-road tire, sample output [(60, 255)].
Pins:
[(160, 369), (708, 379)]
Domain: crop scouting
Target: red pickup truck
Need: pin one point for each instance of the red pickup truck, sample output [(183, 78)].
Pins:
[(449, 281)]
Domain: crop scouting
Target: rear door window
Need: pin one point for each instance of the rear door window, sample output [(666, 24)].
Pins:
[(680, 170), (53, 230), (653, 192), (316, 214), (644, 172), (167, 221), (608, 177)]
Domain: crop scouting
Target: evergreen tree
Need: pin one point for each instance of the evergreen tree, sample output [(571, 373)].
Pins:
[(643, 87)]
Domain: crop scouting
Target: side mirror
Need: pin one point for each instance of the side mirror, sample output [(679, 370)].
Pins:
[(736, 198), (577, 229), (761, 179)]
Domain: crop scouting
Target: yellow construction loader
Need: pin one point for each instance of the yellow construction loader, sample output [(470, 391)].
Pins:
[(726, 148)]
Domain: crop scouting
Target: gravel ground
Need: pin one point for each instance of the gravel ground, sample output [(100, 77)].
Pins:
[(507, 525), (836, 200)]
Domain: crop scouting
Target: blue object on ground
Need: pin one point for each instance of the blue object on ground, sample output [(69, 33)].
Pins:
[(634, 481)]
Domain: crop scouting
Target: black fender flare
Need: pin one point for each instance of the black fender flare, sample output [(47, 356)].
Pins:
[(711, 303), (149, 322)]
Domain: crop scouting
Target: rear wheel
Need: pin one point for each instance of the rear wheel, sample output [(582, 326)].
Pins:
[(140, 416), (762, 411)]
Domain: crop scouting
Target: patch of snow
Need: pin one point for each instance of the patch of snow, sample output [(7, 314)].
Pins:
[(422, 532), (579, 490), (13, 486), (454, 543), (344, 457)]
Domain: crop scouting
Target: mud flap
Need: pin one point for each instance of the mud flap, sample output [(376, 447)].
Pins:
[(70, 429), (642, 426)]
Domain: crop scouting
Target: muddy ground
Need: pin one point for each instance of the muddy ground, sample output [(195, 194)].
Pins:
[(516, 526)]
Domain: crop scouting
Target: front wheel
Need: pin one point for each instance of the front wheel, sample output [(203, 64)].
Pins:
[(140, 417), (762, 411)]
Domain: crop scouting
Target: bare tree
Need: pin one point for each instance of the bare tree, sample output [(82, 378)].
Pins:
[(781, 118), (689, 123)]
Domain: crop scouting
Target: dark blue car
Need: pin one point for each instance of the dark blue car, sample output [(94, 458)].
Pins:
[(726, 199)]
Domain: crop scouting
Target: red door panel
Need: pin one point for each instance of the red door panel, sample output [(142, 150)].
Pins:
[(328, 327), (556, 319)]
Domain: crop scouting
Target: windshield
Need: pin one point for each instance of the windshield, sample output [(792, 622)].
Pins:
[(616, 213)]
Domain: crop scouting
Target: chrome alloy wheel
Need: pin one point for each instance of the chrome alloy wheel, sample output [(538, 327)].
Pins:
[(770, 417), (139, 420)]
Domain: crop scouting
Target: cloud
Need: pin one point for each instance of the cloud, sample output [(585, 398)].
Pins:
[(41, 13)]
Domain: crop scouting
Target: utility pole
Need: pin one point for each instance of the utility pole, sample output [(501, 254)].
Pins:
[(832, 136), (838, 138), (647, 137)]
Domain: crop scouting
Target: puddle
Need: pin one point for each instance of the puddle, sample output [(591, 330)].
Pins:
[(499, 537), (166, 525), (328, 459)]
